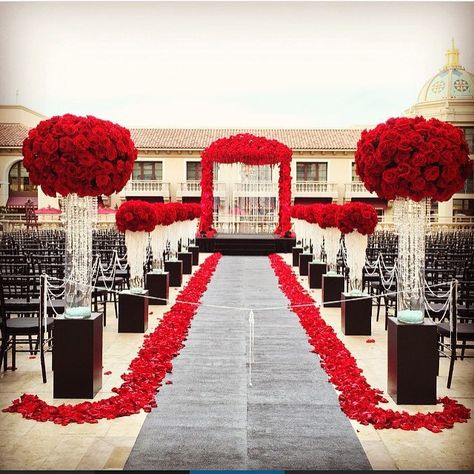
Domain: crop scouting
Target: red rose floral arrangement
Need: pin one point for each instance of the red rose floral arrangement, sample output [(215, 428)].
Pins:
[(356, 220), (83, 155), (136, 219), (251, 150), (136, 216), (357, 216), (413, 158), (327, 217)]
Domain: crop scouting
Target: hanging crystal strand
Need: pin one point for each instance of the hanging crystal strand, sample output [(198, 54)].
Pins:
[(157, 246), (356, 246), (317, 242), (331, 244), (80, 217), (136, 243), (410, 219)]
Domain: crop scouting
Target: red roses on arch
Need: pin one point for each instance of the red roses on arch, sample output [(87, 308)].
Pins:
[(84, 155), (252, 150), (413, 158)]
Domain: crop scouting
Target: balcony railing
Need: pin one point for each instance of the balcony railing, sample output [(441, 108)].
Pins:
[(315, 187), (193, 188), (256, 189), (190, 187), (356, 187), (147, 186)]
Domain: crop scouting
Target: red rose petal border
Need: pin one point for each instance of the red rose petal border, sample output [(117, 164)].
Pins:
[(358, 400), (145, 373)]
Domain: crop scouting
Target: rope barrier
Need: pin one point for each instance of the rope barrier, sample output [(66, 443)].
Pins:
[(241, 308)]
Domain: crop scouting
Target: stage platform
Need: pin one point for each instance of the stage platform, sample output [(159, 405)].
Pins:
[(246, 244)]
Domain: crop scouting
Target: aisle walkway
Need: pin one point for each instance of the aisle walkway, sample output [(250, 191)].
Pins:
[(209, 418)]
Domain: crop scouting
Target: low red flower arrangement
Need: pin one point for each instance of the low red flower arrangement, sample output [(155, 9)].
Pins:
[(136, 216), (171, 212), (146, 372), (251, 150), (413, 158), (327, 217), (358, 400), (357, 216), (84, 155)]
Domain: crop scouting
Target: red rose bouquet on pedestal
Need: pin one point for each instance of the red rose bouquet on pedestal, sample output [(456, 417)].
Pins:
[(137, 219), (356, 220), (412, 160), (80, 158), (83, 155)]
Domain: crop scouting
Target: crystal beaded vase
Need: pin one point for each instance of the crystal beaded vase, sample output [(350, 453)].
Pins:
[(80, 215), (411, 219)]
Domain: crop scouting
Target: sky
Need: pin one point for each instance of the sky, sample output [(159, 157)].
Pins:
[(227, 64)]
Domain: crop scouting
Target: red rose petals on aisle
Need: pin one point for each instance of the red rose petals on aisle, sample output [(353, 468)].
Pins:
[(146, 372), (358, 400)]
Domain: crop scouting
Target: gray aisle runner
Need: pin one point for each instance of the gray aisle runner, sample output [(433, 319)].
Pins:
[(209, 418)]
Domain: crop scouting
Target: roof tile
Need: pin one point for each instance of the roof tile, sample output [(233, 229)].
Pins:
[(13, 134)]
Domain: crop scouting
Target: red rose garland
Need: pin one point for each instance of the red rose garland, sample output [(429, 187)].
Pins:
[(146, 372), (84, 155), (413, 158), (357, 216), (357, 398), (249, 149), (136, 216)]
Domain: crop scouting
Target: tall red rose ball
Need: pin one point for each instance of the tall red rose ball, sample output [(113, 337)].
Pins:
[(83, 155), (413, 158)]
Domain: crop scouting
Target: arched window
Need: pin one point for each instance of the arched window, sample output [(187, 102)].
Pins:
[(19, 181)]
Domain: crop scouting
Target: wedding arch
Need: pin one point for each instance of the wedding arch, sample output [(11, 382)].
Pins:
[(250, 150)]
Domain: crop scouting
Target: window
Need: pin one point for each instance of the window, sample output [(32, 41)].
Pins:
[(468, 186), (148, 170), (469, 136), (355, 176), (193, 171), (463, 206), (19, 180), (256, 173), (311, 171)]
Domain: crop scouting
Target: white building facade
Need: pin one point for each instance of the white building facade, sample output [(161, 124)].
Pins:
[(168, 166)]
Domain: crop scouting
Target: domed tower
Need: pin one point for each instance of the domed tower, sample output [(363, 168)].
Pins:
[(449, 95)]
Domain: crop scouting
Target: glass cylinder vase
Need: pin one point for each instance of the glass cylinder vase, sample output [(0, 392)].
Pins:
[(411, 220), (80, 214)]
